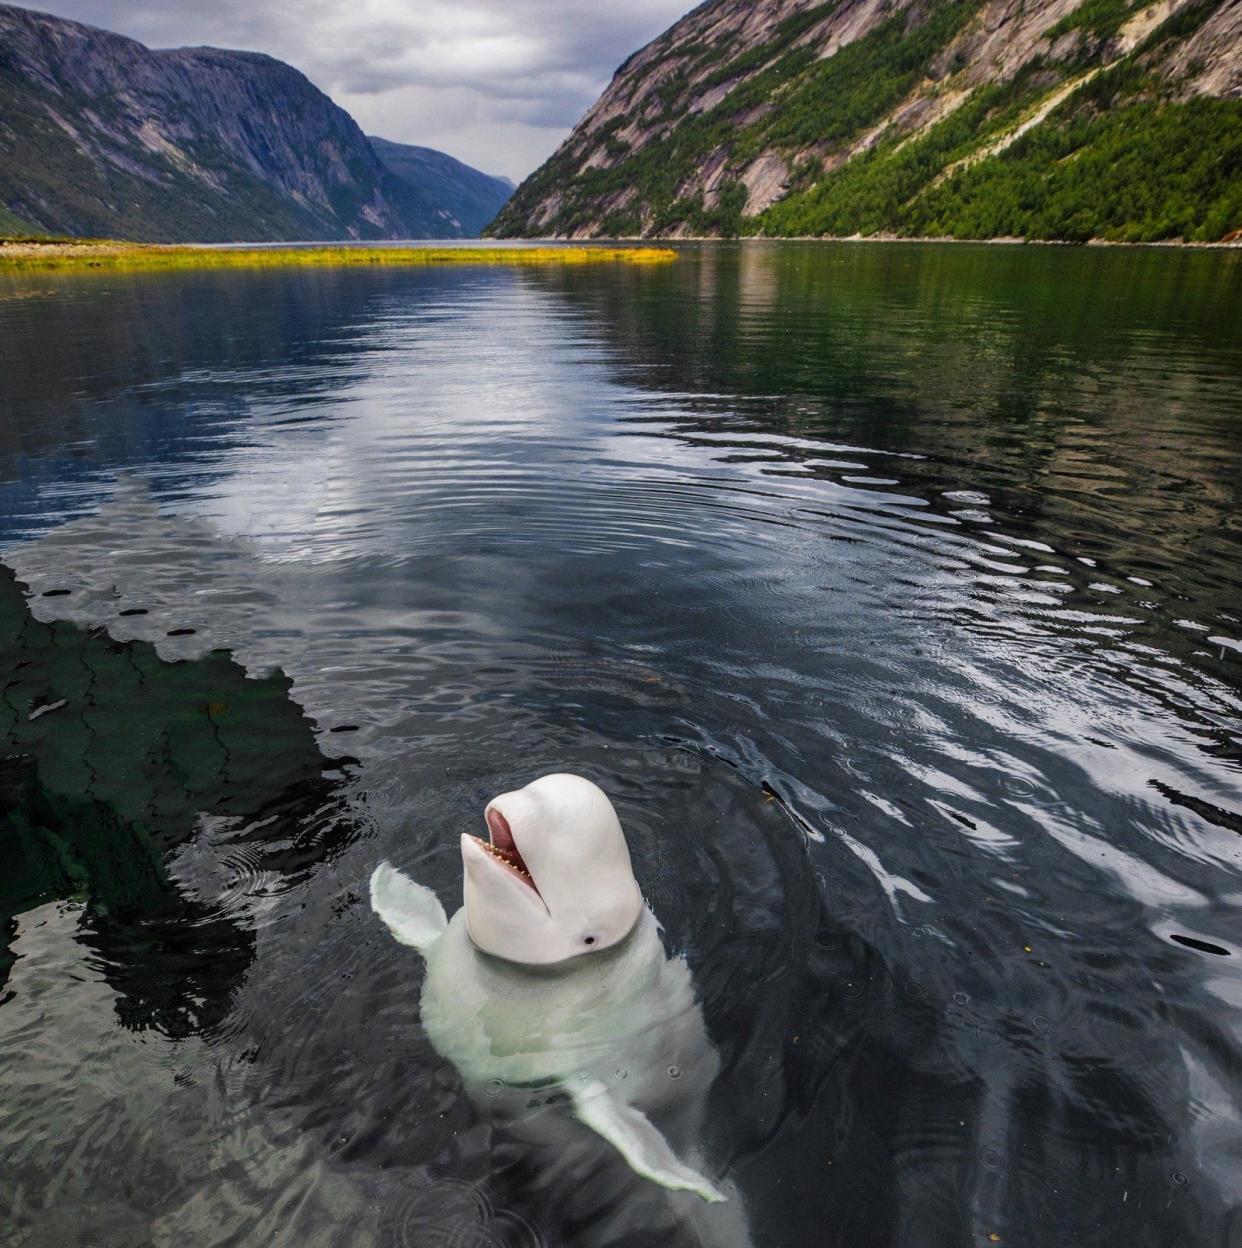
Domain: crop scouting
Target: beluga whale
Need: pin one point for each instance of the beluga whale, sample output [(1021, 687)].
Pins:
[(551, 993)]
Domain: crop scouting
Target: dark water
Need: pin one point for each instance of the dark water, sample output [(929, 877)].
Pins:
[(894, 593)]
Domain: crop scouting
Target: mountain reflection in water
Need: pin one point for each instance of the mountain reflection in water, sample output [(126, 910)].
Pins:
[(891, 591), (109, 758)]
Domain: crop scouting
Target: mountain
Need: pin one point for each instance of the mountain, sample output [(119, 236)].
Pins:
[(100, 135), (469, 199), (11, 224), (1053, 119)]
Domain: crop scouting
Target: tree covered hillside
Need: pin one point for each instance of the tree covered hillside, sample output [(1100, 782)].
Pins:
[(969, 118)]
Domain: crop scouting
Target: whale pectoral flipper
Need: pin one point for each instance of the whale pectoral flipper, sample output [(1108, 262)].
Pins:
[(412, 913), (631, 1133)]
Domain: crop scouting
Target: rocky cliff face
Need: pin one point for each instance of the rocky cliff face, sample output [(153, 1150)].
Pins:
[(100, 135), (911, 116)]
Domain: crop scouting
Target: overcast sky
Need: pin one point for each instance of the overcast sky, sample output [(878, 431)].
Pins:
[(497, 83)]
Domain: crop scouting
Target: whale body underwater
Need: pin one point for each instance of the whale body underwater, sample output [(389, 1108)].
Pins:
[(551, 993)]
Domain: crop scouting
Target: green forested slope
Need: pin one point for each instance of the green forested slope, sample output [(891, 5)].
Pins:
[(967, 118), (1133, 172)]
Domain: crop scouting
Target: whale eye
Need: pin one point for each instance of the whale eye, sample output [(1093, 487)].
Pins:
[(590, 940)]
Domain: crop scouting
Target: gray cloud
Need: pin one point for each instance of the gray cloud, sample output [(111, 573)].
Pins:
[(497, 83)]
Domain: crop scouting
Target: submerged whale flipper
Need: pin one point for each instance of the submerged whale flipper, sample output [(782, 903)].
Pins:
[(412, 913), (630, 1132)]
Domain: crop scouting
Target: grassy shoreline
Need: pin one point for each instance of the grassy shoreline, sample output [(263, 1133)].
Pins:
[(29, 253)]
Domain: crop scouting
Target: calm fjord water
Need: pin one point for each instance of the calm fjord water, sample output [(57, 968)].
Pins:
[(894, 593)]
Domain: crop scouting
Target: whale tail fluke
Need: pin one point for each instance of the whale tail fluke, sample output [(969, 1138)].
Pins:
[(412, 913)]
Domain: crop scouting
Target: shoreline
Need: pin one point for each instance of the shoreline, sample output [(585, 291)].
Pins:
[(1173, 244), (26, 254)]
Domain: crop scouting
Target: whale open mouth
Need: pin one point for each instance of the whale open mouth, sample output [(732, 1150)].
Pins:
[(503, 848)]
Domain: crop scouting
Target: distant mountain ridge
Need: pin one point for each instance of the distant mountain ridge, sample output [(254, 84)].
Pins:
[(102, 136), (470, 198), (1056, 119)]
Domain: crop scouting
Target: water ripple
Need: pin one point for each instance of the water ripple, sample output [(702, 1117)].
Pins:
[(892, 593)]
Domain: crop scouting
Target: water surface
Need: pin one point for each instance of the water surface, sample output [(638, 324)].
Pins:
[(893, 593)]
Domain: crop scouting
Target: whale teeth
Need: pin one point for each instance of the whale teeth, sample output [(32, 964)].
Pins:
[(510, 858), (507, 857)]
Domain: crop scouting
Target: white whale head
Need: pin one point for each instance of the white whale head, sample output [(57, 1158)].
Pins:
[(554, 880)]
